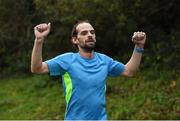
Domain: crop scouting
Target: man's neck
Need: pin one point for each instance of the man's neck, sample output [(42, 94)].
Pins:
[(86, 54)]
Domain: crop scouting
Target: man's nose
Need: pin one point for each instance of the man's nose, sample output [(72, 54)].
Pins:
[(89, 34)]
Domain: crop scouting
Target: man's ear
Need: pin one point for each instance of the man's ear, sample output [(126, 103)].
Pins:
[(74, 40)]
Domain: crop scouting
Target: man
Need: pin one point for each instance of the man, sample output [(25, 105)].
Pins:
[(84, 73)]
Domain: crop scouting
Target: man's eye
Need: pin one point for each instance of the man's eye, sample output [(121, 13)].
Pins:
[(92, 32), (84, 32)]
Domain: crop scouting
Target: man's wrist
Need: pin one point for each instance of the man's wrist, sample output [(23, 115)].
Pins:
[(39, 40), (139, 49), (139, 45)]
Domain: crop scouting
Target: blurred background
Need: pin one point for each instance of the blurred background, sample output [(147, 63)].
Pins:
[(153, 94)]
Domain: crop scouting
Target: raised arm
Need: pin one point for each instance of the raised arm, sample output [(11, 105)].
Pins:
[(37, 64), (132, 65)]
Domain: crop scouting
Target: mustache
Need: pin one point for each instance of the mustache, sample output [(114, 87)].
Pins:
[(90, 40)]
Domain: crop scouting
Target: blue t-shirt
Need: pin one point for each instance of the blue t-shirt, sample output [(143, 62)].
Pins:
[(84, 82)]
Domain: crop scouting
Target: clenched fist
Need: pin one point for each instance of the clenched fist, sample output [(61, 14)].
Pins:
[(139, 39), (41, 31)]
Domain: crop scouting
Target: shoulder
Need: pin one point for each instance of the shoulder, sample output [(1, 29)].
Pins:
[(67, 55), (65, 58), (103, 56)]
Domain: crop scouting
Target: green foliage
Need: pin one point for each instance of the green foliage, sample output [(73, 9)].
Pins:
[(15, 35), (151, 95), (31, 98), (148, 96), (114, 22)]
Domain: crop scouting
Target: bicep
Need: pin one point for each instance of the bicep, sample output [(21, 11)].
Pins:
[(44, 68), (126, 72)]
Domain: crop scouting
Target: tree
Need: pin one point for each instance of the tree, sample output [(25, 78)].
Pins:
[(114, 22)]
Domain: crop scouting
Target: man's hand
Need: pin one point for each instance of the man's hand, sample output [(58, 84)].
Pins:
[(41, 31), (139, 39)]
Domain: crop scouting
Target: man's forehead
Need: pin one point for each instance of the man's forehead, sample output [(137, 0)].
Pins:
[(84, 26)]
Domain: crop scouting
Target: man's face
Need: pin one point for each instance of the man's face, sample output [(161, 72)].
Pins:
[(86, 37)]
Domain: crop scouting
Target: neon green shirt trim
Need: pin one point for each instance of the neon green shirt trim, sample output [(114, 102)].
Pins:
[(68, 84)]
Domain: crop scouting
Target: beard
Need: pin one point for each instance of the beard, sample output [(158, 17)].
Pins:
[(89, 45)]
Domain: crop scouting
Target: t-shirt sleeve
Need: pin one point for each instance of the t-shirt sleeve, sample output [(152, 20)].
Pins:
[(115, 68), (59, 65)]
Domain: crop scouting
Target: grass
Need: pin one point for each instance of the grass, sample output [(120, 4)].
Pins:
[(149, 95), (31, 98)]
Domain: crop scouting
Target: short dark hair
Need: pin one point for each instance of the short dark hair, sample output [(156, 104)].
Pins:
[(74, 30)]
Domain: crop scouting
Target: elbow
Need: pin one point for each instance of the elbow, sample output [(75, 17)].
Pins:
[(129, 72), (34, 70), (39, 69), (132, 73)]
